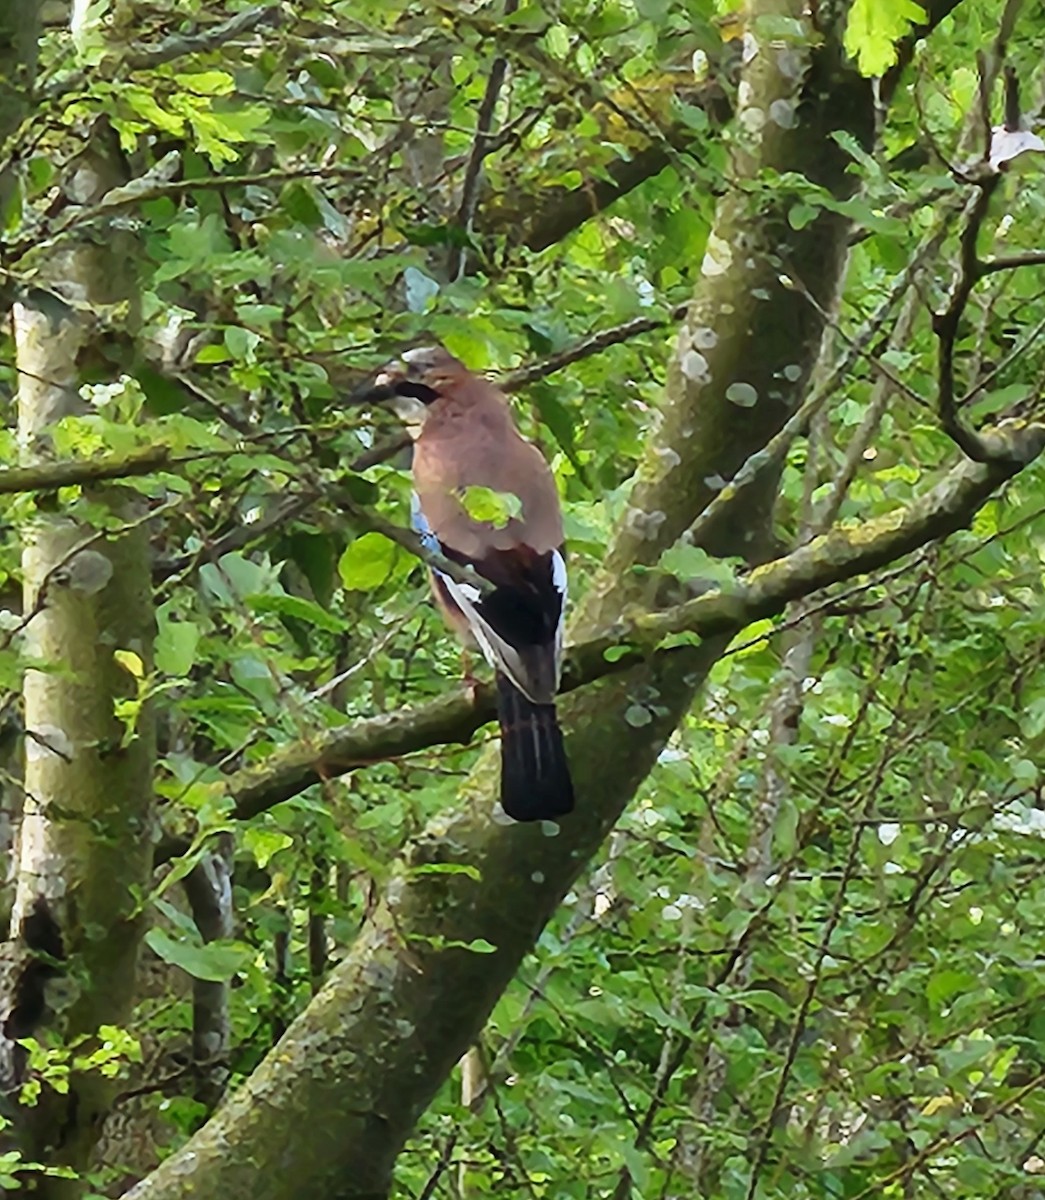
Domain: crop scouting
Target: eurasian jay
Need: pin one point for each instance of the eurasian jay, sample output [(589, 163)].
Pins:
[(464, 438)]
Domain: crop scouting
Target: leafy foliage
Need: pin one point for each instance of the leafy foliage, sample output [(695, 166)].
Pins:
[(806, 965), (874, 29)]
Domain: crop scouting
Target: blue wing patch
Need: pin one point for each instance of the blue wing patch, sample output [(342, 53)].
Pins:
[(431, 543), (421, 527)]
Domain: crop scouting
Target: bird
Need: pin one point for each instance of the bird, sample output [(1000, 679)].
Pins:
[(485, 498)]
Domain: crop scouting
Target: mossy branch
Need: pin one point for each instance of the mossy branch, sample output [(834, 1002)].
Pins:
[(839, 555), (49, 476)]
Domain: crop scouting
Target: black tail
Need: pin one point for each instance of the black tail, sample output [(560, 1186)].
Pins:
[(535, 776)]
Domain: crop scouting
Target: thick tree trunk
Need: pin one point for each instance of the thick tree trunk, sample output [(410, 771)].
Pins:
[(19, 39), (85, 846), (354, 1072)]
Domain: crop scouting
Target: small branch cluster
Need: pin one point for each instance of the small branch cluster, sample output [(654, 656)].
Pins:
[(1003, 144)]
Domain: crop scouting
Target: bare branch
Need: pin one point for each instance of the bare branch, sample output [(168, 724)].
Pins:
[(238, 536), (1013, 121), (77, 217), (857, 345), (410, 542), (1011, 262), (561, 210), (142, 57), (945, 324), (514, 381), (594, 344), (1001, 144), (481, 147)]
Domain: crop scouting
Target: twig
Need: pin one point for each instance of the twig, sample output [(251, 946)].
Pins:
[(880, 1186), (979, 447), (858, 346), (237, 537), (128, 196), (799, 1025), (945, 324), (481, 147), (56, 572), (142, 57), (1011, 262), (380, 453), (412, 543), (593, 344), (516, 380)]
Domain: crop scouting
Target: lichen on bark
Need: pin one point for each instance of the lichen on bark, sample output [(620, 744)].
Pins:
[(84, 852)]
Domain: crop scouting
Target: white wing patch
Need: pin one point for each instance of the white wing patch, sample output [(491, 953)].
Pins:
[(501, 655), (559, 573), (559, 582)]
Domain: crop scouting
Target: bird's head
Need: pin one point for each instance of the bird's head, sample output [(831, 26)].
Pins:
[(409, 384)]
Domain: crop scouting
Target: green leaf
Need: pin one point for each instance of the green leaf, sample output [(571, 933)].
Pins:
[(800, 215), (206, 83), (176, 643), (368, 562), (130, 662), (215, 962), (686, 561), (299, 203), (559, 419), (162, 395), (874, 29), (480, 946), (614, 654), (298, 607), (264, 843), (492, 508), (242, 343)]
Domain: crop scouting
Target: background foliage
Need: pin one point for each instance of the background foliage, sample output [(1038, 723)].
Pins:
[(808, 963)]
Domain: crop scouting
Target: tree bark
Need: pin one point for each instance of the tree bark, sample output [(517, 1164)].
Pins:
[(208, 888), (19, 41), (84, 853)]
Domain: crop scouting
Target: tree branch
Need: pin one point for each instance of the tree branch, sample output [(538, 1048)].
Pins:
[(143, 57), (49, 476), (831, 558), (591, 345), (481, 147), (411, 542), (560, 210), (980, 447), (514, 381)]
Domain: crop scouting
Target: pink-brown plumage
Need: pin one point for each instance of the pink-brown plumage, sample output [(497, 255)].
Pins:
[(465, 438)]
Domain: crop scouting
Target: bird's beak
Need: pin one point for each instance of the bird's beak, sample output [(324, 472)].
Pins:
[(381, 387)]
